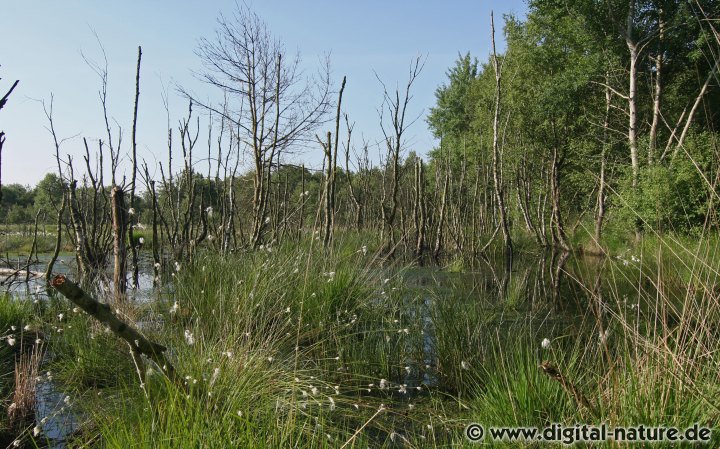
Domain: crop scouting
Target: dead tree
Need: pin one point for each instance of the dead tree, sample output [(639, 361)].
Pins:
[(419, 210), (155, 237), (184, 203), (349, 177), (600, 211), (131, 237), (331, 151), (104, 314), (634, 51), (120, 224), (496, 162), (395, 105), (439, 235), (358, 184), (58, 240), (277, 106), (3, 102)]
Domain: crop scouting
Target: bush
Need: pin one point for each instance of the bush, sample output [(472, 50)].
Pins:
[(672, 197)]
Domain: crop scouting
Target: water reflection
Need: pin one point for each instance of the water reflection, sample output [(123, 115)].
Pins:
[(66, 265), (53, 414)]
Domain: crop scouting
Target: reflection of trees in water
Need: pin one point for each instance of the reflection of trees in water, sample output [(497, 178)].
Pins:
[(558, 261)]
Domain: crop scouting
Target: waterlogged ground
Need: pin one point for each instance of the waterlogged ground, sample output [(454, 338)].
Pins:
[(427, 349)]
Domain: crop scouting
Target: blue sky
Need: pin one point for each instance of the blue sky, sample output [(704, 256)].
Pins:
[(42, 42)]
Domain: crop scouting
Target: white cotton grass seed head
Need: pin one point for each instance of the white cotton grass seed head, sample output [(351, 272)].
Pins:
[(189, 339), (216, 373), (545, 343)]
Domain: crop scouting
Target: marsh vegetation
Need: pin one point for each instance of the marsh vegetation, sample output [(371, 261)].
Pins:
[(555, 259)]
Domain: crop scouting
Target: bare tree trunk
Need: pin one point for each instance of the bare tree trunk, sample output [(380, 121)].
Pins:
[(331, 151), (523, 196), (419, 209), (349, 178), (3, 102), (632, 94), (441, 219), (58, 239), (396, 105), (541, 207), (155, 237), (499, 197), (657, 95), (557, 227), (131, 237), (303, 197), (33, 248), (82, 248), (104, 314), (600, 215), (119, 249), (632, 104), (327, 195), (285, 207)]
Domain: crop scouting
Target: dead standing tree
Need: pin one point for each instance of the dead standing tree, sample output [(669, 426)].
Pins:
[(395, 105), (331, 152), (419, 209), (3, 102), (358, 183), (97, 220), (89, 222), (130, 227), (275, 106), (496, 162), (182, 208)]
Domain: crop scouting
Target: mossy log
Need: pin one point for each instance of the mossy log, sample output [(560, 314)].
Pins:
[(103, 313)]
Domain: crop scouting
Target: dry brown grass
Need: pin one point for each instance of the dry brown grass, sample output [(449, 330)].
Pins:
[(27, 367)]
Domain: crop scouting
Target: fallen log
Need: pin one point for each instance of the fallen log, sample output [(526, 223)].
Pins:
[(10, 272), (103, 313), (554, 373)]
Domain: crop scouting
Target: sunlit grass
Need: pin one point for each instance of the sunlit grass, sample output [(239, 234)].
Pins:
[(295, 346)]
